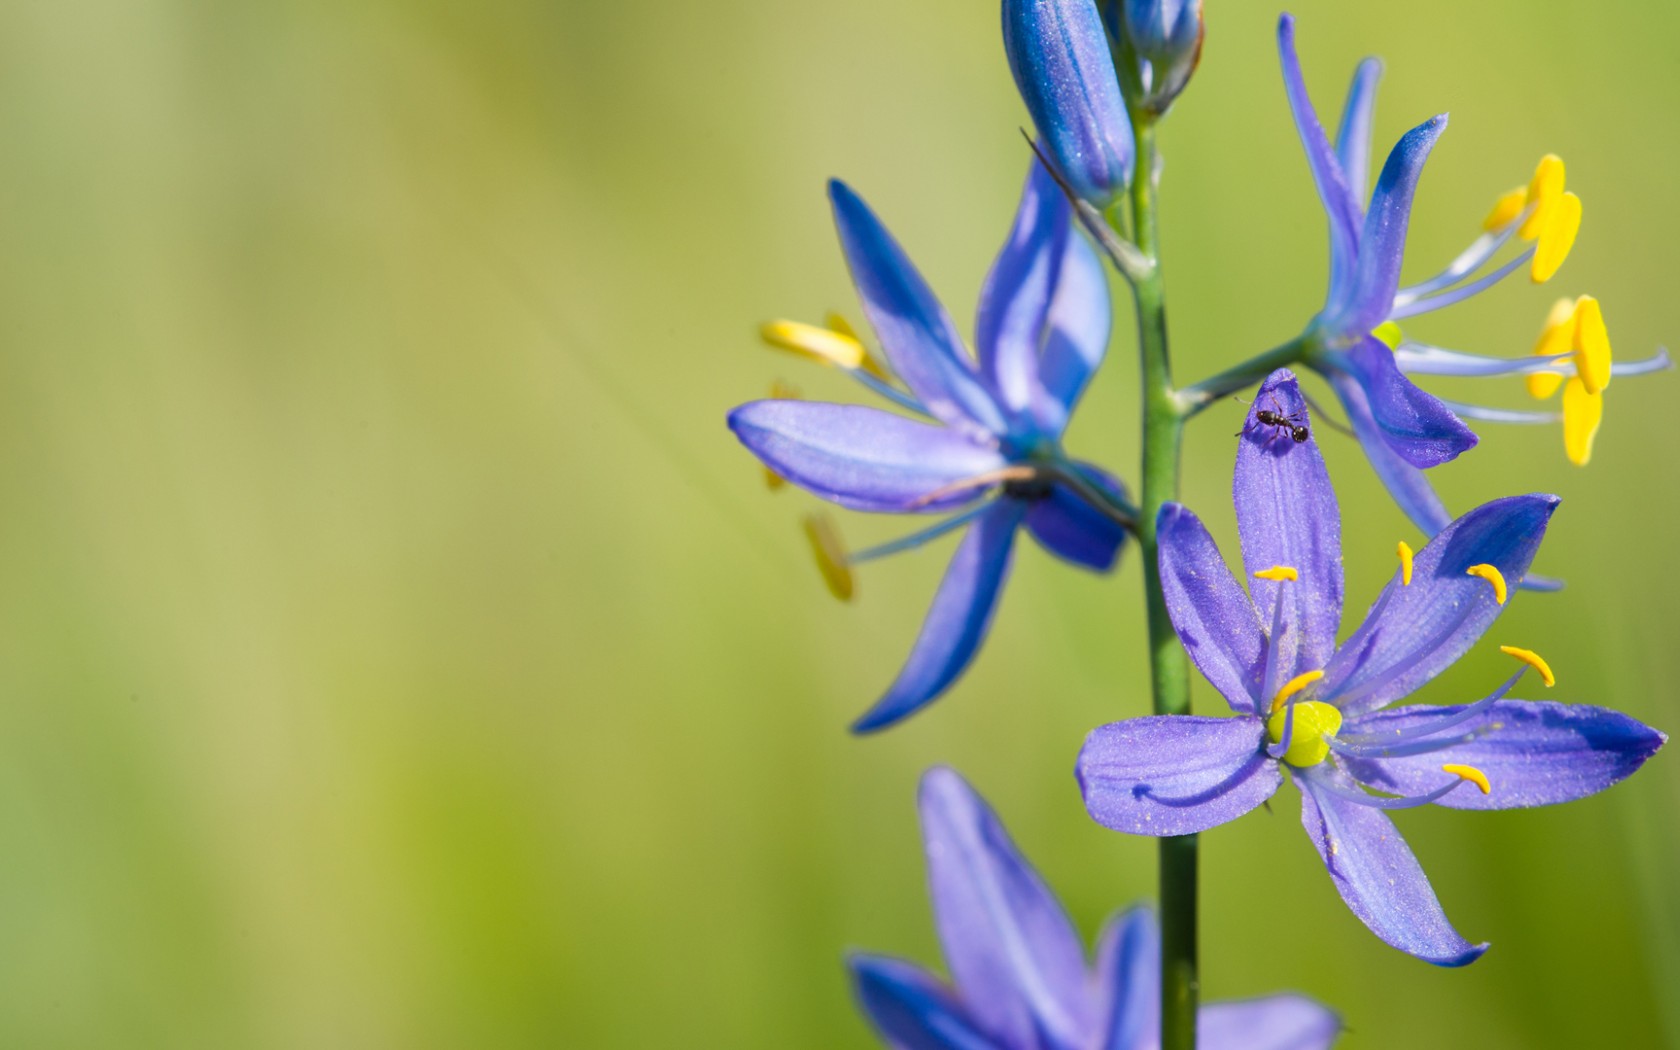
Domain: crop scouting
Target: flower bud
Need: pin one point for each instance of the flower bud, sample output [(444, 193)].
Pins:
[(1058, 51), (1164, 38)]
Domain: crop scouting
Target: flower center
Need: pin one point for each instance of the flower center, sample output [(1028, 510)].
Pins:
[(1310, 724)]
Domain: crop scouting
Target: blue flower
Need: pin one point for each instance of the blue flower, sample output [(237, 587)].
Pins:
[(1018, 971), (991, 429), (1322, 711), (1165, 41)]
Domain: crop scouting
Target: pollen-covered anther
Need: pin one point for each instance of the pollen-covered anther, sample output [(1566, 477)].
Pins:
[(830, 554), (871, 364), (1583, 411), (1471, 774), (1591, 345), (1556, 338), (1278, 573), (1493, 576), (1404, 550), (1534, 660), (823, 345), (1545, 189), (1293, 686), (1506, 209), (1556, 238)]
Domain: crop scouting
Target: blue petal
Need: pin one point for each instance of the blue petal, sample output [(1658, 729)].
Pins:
[(1407, 484), (915, 331), (1129, 980), (1070, 528), (1277, 1022), (860, 457), (1081, 317), (1015, 300), (1287, 515), (958, 621), (1415, 423), (1012, 952), (1375, 872), (1339, 202), (1534, 754), (1416, 631), (1353, 141), (1212, 615), (1174, 774), (910, 1009)]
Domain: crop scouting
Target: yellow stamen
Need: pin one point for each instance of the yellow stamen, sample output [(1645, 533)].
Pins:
[(1493, 576), (871, 363), (1592, 345), (830, 554), (1278, 573), (1544, 189), (1534, 660), (1556, 238), (823, 345), (1405, 552), (1583, 411), (1470, 773), (1388, 334), (1506, 209), (1313, 723), (1293, 686), (1558, 337)]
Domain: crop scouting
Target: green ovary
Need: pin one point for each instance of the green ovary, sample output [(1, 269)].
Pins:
[(1309, 743)]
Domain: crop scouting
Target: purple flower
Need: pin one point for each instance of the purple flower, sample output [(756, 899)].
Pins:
[(1322, 711), (1019, 979), (991, 428)]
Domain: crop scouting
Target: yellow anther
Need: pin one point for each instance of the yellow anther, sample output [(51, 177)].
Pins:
[(1493, 576), (1470, 773), (1544, 189), (1314, 724), (1506, 209), (1534, 660), (1278, 573), (1592, 345), (1583, 411), (1293, 686), (1556, 238), (871, 364), (1388, 334), (830, 554), (1558, 337), (1405, 552), (819, 344)]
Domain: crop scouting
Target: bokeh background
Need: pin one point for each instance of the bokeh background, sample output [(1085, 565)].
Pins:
[(399, 652)]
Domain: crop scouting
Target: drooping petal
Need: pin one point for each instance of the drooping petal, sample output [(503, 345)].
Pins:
[(1081, 317), (910, 1009), (1414, 422), (1407, 484), (1339, 202), (1415, 631), (1012, 952), (1015, 300), (1287, 515), (1375, 872), (1129, 980), (1353, 140), (861, 457), (1212, 615), (1534, 753), (958, 621), (1174, 774), (1065, 524), (915, 331), (1277, 1022)]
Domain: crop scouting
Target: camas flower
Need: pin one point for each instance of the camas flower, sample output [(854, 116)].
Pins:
[(992, 429), (1355, 341), (1018, 970), (1322, 712)]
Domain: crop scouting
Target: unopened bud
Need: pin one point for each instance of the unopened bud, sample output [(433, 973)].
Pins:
[(1164, 39)]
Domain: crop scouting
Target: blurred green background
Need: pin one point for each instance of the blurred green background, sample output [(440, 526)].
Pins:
[(399, 652)]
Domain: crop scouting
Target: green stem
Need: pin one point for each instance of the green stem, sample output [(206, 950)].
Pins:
[(1192, 399), (1163, 425)]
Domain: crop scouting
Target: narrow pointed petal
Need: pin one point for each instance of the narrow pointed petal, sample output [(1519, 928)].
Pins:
[(1175, 774), (1407, 484), (915, 331), (1210, 611), (1353, 141), (1016, 297), (1070, 528), (1414, 632), (1534, 753), (1081, 317), (1339, 202), (910, 1009), (859, 457), (1415, 423), (957, 623), (1012, 952), (1376, 874), (1287, 515), (1129, 980), (1277, 1022)]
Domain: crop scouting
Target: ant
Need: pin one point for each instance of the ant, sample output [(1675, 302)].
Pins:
[(1295, 425)]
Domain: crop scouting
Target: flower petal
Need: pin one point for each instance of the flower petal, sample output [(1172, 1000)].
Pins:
[(915, 331), (1353, 141), (1534, 753), (1406, 483), (1066, 525), (1081, 317), (1174, 774), (1287, 515), (861, 457), (1015, 300), (1212, 615), (1277, 1022), (910, 1009), (1375, 872), (1415, 423), (1012, 952), (1339, 202), (1129, 980), (1415, 631), (958, 621)]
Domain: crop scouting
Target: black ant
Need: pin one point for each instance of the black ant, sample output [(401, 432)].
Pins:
[(1295, 425)]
